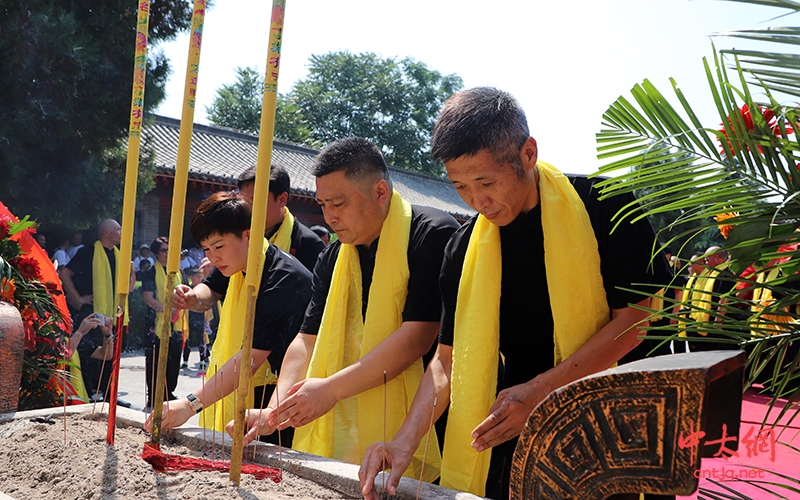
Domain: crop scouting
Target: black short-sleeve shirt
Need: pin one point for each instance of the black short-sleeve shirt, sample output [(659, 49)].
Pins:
[(81, 266), (282, 299), (429, 233), (526, 320), (306, 247)]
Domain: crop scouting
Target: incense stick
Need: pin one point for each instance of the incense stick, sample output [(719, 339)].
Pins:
[(64, 389), (425, 453), (100, 381), (222, 401), (260, 410), (205, 443), (214, 422), (153, 367), (278, 417), (383, 455)]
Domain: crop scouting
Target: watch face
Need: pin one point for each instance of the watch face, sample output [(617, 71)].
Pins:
[(194, 403)]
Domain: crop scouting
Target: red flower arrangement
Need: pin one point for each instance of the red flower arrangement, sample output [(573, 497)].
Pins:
[(5, 221), (27, 283), (770, 119), (27, 267)]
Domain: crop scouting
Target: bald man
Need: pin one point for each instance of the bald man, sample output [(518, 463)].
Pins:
[(90, 285)]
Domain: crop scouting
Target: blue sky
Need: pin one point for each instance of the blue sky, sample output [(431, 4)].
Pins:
[(566, 62)]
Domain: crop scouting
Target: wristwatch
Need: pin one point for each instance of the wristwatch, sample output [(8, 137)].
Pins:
[(195, 403)]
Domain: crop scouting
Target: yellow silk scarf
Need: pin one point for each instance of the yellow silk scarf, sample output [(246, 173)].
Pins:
[(573, 270), (762, 298), (688, 294), (76, 377), (283, 236), (354, 423), (161, 287), (102, 285), (228, 343), (701, 297)]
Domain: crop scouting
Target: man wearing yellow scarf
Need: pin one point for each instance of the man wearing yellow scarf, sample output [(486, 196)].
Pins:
[(154, 283), (89, 283), (533, 278), (282, 228), (221, 225), (709, 305), (374, 312)]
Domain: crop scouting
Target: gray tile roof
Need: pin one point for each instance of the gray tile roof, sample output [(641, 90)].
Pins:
[(219, 155)]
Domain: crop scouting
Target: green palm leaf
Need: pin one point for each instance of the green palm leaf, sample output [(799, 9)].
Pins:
[(652, 144)]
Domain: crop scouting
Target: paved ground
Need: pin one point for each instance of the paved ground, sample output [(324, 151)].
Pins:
[(132, 386)]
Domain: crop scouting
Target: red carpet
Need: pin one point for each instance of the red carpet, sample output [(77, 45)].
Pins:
[(764, 457)]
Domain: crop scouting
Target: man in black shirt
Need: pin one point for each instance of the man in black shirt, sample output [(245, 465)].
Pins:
[(295, 238), (359, 204), (550, 272), (305, 244), (222, 227)]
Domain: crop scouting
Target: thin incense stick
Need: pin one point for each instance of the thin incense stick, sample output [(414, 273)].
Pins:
[(383, 456), (100, 381), (425, 453), (151, 393), (214, 436), (64, 388), (278, 417), (205, 442), (222, 400), (260, 409)]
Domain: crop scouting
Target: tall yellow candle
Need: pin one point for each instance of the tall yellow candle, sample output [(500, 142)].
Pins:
[(131, 180), (178, 203), (257, 225)]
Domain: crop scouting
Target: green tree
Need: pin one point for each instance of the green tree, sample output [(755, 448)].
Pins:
[(238, 105), (392, 102), (66, 74)]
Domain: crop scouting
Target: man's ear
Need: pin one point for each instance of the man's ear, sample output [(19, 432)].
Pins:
[(282, 199), (246, 234), (382, 191), (529, 154)]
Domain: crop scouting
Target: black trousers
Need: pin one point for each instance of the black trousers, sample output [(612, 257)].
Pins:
[(173, 366)]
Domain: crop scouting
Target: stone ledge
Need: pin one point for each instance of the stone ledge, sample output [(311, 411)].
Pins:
[(334, 474)]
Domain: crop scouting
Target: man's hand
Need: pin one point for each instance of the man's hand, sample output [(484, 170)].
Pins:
[(183, 297), (255, 424), (305, 402), (396, 455), (508, 415), (80, 301), (173, 414)]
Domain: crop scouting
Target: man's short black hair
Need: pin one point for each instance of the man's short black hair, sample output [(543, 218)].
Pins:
[(357, 157), (224, 212), (279, 181), (477, 119), (320, 230)]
